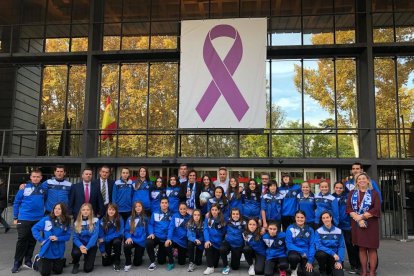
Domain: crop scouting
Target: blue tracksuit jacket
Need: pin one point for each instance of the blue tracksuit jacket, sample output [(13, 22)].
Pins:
[(155, 196), (57, 191), (308, 205), (29, 203), (46, 228), (235, 202), (173, 199), (214, 232), (142, 194), (326, 202), (350, 185), (272, 205), (177, 231), (223, 208), (234, 235), (196, 233), (86, 238), (159, 224), (251, 205), (301, 240), (344, 220), (258, 246), (122, 195), (276, 246), (289, 194), (111, 233), (141, 230), (330, 241)]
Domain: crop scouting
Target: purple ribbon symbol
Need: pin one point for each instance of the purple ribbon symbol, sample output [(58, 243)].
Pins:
[(222, 72)]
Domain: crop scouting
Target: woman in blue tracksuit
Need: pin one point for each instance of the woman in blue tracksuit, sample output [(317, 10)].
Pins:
[(142, 187), (275, 251), (214, 232), (251, 200), (306, 202), (85, 237), (271, 205), (345, 225), (172, 193), (326, 202), (157, 192), (254, 247), (234, 196), (289, 191), (177, 236), (111, 232), (136, 232), (206, 186), (52, 232), (158, 234), (122, 193), (300, 246), (330, 247), (195, 236), (220, 200), (233, 241)]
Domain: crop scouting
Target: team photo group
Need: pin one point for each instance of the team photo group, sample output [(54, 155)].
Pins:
[(190, 220)]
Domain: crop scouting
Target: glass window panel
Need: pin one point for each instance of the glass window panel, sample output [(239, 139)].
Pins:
[(348, 145), (383, 27), (80, 13), (131, 144), (79, 44), (345, 29), (250, 8), (163, 95), (191, 9), (75, 106), (222, 145), (133, 96), (135, 36), (5, 38), (382, 5), (286, 93), (9, 12), (53, 103), (109, 88), (346, 96), (113, 11), (286, 7), (136, 10), (385, 94), (320, 145), (31, 39), (344, 6), (58, 11), (57, 45), (223, 9), (107, 148), (317, 7), (318, 30), (161, 145), (112, 37), (286, 145), (164, 35), (286, 31), (165, 9), (319, 96), (387, 144), (404, 5), (404, 25), (252, 146), (193, 145), (57, 31), (33, 11)]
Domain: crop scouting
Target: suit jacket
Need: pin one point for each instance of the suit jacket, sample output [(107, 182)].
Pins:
[(183, 193), (110, 187), (77, 198)]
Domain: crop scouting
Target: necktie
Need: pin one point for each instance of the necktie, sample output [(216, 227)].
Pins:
[(86, 192), (103, 190)]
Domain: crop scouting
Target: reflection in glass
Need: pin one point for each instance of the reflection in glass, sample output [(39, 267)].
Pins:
[(164, 35), (222, 145), (346, 149), (318, 30), (135, 36), (161, 145), (193, 145), (320, 145), (252, 146), (112, 39), (285, 31), (284, 145), (382, 27), (345, 29), (404, 25)]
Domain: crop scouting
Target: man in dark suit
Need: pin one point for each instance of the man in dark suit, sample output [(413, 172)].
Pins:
[(190, 192), (86, 192), (105, 185)]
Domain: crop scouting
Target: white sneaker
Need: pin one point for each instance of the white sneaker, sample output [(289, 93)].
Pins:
[(191, 267), (226, 270), (294, 272), (208, 270), (127, 268), (251, 270), (152, 266)]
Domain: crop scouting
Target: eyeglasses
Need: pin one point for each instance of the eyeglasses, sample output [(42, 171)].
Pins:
[(265, 178)]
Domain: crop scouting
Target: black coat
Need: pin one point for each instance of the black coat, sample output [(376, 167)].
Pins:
[(183, 193), (3, 196), (77, 198), (110, 187)]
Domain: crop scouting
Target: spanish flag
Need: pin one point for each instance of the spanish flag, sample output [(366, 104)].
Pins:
[(108, 121)]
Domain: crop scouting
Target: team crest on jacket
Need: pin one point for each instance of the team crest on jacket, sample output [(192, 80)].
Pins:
[(280, 242), (307, 234)]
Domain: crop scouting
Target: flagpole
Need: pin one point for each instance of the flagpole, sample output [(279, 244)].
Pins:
[(107, 147)]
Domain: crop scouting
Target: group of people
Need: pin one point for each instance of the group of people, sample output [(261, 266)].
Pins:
[(276, 227)]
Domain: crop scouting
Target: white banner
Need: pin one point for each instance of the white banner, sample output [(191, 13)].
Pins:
[(222, 73)]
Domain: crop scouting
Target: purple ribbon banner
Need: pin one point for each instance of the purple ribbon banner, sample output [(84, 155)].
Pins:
[(222, 73)]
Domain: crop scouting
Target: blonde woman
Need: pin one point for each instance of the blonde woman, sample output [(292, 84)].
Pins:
[(85, 236)]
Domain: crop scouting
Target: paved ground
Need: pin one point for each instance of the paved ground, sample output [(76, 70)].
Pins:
[(396, 259)]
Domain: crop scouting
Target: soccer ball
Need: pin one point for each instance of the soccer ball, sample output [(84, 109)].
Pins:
[(204, 197)]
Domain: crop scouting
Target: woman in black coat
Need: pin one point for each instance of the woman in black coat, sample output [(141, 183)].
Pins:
[(3, 204)]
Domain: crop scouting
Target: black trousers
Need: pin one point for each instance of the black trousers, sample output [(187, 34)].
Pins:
[(125, 216), (138, 253), (296, 259), (259, 260), (286, 221), (113, 246), (271, 265), (47, 266), (212, 256), (25, 241), (352, 250), (195, 254), (236, 253), (2, 220), (89, 258), (182, 253), (150, 244), (327, 264)]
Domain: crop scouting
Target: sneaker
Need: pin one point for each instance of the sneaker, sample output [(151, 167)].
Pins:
[(16, 267), (127, 268), (28, 264), (35, 265), (294, 272), (226, 270), (75, 269), (152, 266), (170, 267), (251, 270), (208, 270), (352, 270), (191, 267), (282, 273), (117, 267)]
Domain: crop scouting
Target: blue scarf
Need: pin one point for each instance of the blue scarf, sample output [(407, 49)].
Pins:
[(190, 201), (365, 202)]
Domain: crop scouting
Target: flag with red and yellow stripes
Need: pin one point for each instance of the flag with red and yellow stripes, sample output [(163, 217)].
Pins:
[(108, 121)]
